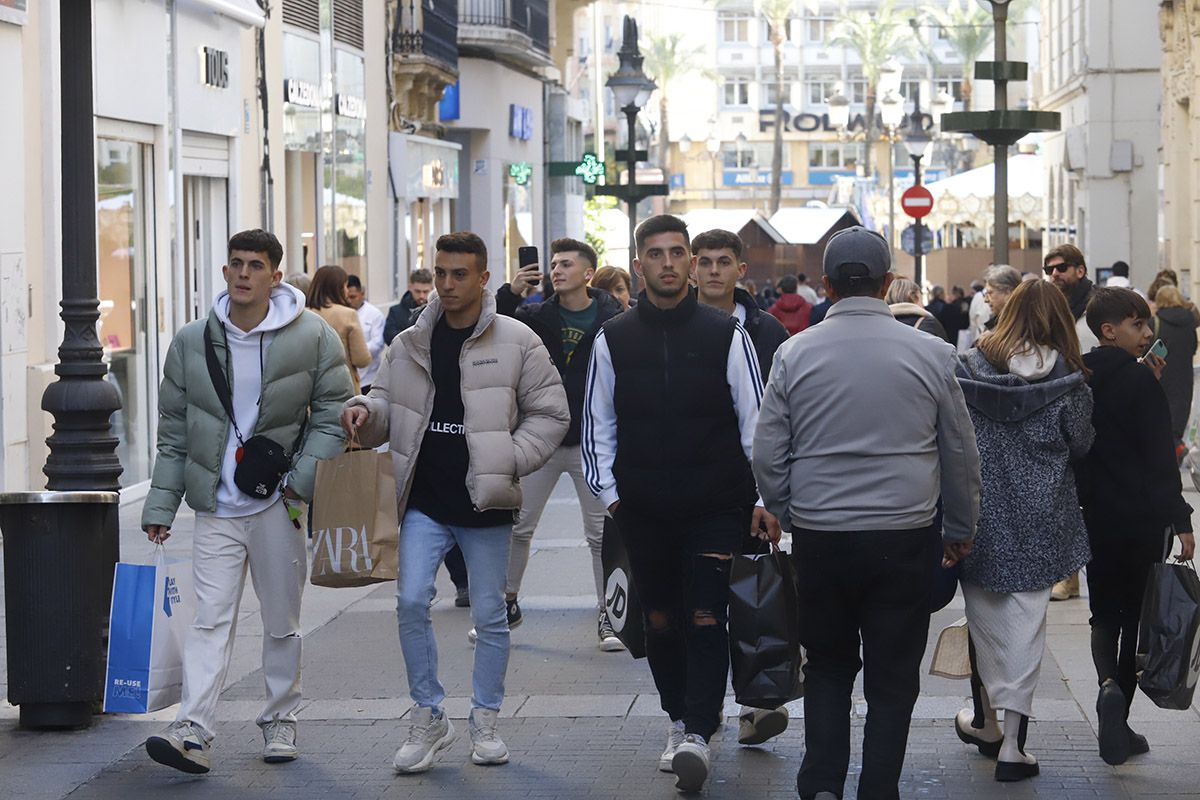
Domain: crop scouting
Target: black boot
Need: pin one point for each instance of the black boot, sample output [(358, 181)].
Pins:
[(1114, 733)]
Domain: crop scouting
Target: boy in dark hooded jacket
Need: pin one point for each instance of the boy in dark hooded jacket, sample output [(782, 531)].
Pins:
[(1132, 498)]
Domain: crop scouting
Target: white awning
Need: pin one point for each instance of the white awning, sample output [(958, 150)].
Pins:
[(729, 219), (246, 12), (807, 225)]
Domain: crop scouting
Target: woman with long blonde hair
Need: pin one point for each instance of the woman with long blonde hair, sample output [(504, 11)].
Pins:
[(1025, 389), (1175, 324)]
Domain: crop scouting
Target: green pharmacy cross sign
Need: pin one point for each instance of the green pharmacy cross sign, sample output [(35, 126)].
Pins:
[(520, 172), (589, 168)]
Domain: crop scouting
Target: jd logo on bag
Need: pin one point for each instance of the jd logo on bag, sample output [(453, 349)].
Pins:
[(152, 608), (355, 532), (620, 595)]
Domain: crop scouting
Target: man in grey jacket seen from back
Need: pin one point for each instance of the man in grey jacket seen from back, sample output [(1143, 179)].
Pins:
[(863, 426)]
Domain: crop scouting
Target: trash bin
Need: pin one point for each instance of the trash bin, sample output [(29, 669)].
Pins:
[(60, 550)]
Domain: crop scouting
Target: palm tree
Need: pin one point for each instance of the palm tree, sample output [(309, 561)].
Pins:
[(667, 58), (875, 36), (968, 28), (777, 13)]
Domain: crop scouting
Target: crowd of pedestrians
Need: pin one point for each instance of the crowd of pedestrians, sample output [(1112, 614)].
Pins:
[(694, 419)]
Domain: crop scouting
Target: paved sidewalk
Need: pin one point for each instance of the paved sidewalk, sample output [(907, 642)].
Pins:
[(580, 723)]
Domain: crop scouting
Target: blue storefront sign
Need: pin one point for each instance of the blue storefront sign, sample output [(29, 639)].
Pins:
[(747, 177), (448, 107), (825, 177), (520, 122), (676, 181)]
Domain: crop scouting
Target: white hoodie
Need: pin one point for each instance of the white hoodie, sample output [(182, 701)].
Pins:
[(248, 355)]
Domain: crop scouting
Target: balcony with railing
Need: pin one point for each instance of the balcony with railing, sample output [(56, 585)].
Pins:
[(518, 30), (428, 27), (425, 44)]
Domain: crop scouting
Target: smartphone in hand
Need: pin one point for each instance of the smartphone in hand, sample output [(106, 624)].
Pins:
[(1157, 349), (528, 257)]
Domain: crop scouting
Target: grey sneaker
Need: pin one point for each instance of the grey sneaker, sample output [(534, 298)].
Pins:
[(279, 738), (757, 725), (181, 746), (674, 739), (427, 735), (609, 642), (486, 746), (690, 763)]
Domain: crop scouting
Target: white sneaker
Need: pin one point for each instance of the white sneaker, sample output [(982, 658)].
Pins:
[(181, 746), (690, 763), (427, 735), (486, 746), (279, 739), (757, 725), (674, 739)]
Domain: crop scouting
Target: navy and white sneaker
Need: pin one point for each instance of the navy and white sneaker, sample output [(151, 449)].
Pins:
[(181, 746)]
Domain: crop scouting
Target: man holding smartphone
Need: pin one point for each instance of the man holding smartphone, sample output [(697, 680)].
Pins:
[(567, 324), (1065, 268)]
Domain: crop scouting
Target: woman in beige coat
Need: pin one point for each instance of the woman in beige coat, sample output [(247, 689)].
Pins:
[(327, 298)]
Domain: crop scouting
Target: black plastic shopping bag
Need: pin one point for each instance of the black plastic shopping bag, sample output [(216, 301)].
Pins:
[(620, 595), (1170, 636), (764, 630)]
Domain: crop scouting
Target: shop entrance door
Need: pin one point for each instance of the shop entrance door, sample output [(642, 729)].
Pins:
[(206, 234), (125, 247)]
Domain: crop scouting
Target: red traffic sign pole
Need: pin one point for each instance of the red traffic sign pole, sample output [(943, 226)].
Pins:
[(917, 201)]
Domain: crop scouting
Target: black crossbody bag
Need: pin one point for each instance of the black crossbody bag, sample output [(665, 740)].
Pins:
[(261, 461)]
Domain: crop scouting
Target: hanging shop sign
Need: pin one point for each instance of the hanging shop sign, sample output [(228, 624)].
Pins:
[(301, 93), (214, 67), (520, 172), (589, 168), (350, 106)]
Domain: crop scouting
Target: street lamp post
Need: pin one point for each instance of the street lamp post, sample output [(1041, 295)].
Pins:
[(632, 89), (82, 448), (918, 143), (891, 110), (1001, 127)]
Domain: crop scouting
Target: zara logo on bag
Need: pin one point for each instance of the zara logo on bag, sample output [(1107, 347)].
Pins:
[(616, 598), (336, 541)]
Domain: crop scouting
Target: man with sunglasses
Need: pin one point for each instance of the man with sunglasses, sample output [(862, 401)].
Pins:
[(1065, 268)]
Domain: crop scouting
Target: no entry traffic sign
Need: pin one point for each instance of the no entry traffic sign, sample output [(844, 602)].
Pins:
[(917, 201)]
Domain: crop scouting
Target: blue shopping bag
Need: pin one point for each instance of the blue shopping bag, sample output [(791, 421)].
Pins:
[(152, 608)]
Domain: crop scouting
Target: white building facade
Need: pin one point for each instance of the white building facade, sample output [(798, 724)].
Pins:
[(1101, 72), (186, 153)]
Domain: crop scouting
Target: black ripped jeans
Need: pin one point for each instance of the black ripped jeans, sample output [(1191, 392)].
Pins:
[(684, 591)]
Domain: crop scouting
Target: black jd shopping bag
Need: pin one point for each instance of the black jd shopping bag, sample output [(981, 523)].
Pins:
[(620, 595), (764, 630), (1170, 636)]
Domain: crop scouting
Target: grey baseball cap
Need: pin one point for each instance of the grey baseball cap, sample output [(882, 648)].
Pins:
[(857, 245)]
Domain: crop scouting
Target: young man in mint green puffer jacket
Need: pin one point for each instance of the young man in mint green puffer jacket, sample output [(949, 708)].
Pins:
[(287, 378)]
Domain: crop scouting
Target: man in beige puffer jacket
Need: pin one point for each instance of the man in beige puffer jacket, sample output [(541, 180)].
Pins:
[(469, 402)]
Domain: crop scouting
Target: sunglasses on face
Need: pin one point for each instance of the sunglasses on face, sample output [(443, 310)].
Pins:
[(1061, 266)]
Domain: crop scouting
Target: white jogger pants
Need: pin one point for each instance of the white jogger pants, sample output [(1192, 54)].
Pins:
[(276, 554)]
